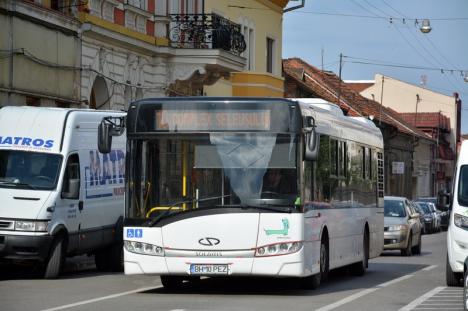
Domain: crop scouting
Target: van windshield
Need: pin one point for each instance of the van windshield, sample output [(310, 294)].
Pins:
[(463, 186), (29, 170)]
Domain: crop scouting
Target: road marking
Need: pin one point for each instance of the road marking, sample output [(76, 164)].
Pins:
[(439, 298), (421, 299), (395, 281), (362, 293), (347, 299), (429, 268), (142, 289)]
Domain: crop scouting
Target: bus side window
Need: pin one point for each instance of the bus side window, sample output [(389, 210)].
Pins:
[(323, 170), (71, 179)]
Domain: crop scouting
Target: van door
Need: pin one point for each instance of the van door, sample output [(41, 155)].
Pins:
[(69, 204)]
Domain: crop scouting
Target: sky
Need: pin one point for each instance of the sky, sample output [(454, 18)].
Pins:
[(384, 32)]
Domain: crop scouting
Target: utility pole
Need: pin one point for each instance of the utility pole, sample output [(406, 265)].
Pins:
[(416, 114), (381, 101), (339, 74), (322, 57)]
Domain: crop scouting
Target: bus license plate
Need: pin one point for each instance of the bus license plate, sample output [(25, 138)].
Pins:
[(209, 269)]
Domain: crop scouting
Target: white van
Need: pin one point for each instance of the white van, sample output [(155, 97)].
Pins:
[(457, 233), (58, 195)]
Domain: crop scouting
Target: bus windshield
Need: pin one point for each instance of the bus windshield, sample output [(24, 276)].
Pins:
[(231, 169), (29, 170)]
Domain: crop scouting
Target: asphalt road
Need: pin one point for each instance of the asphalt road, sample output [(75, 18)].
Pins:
[(392, 282)]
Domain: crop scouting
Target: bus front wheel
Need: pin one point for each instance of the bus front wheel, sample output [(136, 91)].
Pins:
[(359, 268), (313, 281)]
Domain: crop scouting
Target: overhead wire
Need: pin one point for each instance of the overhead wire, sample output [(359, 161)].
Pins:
[(404, 19), (450, 79)]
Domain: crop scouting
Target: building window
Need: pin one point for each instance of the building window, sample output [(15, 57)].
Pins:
[(270, 49), (248, 54), (141, 4)]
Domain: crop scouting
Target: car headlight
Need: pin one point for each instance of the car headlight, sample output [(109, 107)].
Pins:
[(398, 228), (38, 226), (143, 248), (277, 249), (460, 221)]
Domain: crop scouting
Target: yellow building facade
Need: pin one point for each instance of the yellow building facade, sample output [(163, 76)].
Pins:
[(262, 27)]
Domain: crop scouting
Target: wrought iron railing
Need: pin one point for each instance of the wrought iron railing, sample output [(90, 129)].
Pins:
[(206, 31)]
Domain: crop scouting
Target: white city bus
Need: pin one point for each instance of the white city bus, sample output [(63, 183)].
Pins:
[(249, 187)]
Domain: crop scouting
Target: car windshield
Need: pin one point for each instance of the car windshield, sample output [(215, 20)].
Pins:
[(29, 170), (424, 207), (394, 208), (428, 199), (463, 186), (232, 169)]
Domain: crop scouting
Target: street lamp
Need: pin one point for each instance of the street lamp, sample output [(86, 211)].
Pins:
[(426, 26)]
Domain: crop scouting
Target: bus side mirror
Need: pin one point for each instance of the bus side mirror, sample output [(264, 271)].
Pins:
[(443, 201), (104, 137), (311, 139)]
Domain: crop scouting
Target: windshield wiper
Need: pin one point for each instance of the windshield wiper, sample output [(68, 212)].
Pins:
[(265, 207), (155, 220), (10, 183)]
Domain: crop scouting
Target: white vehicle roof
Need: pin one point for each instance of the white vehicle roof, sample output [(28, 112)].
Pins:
[(330, 120), (463, 156), (36, 128), (395, 198)]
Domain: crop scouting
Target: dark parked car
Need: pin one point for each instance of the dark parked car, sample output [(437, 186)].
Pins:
[(426, 217), (444, 215)]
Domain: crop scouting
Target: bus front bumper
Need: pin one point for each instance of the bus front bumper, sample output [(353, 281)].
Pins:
[(291, 265)]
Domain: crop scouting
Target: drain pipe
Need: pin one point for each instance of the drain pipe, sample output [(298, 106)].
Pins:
[(295, 7)]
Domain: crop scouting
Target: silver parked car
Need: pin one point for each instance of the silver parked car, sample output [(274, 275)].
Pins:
[(402, 228)]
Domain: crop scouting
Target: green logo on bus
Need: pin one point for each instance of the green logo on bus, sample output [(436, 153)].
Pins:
[(283, 231)]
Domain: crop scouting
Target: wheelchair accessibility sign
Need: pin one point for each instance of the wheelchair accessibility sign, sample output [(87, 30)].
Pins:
[(134, 233)]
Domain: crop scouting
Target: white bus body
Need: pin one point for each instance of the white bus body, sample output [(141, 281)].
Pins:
[(59, 196), (331, 230)]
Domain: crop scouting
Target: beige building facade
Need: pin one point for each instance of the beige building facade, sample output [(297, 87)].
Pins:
[(432, 167)]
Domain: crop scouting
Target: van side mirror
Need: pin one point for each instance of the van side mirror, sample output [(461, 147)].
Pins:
[(104, 137), (74, 190), (311, 139), (109, 126), (443, 201)]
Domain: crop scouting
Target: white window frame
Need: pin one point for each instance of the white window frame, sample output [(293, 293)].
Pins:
[(273, 53)]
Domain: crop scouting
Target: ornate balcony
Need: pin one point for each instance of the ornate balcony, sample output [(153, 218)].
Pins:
[(206, 31)]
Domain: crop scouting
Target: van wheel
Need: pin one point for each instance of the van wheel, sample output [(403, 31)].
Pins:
[(172, 282), (109, 259), (452, 278), (116, 257), (359, 268), (417, 249), (56, 259), (407, 250)]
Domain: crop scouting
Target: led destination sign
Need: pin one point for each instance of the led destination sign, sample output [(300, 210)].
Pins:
[(214, 120)]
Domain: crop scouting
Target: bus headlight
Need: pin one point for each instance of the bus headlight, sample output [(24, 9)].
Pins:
[(460, 221), (143, 248), (38, 226), (277, 249)]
